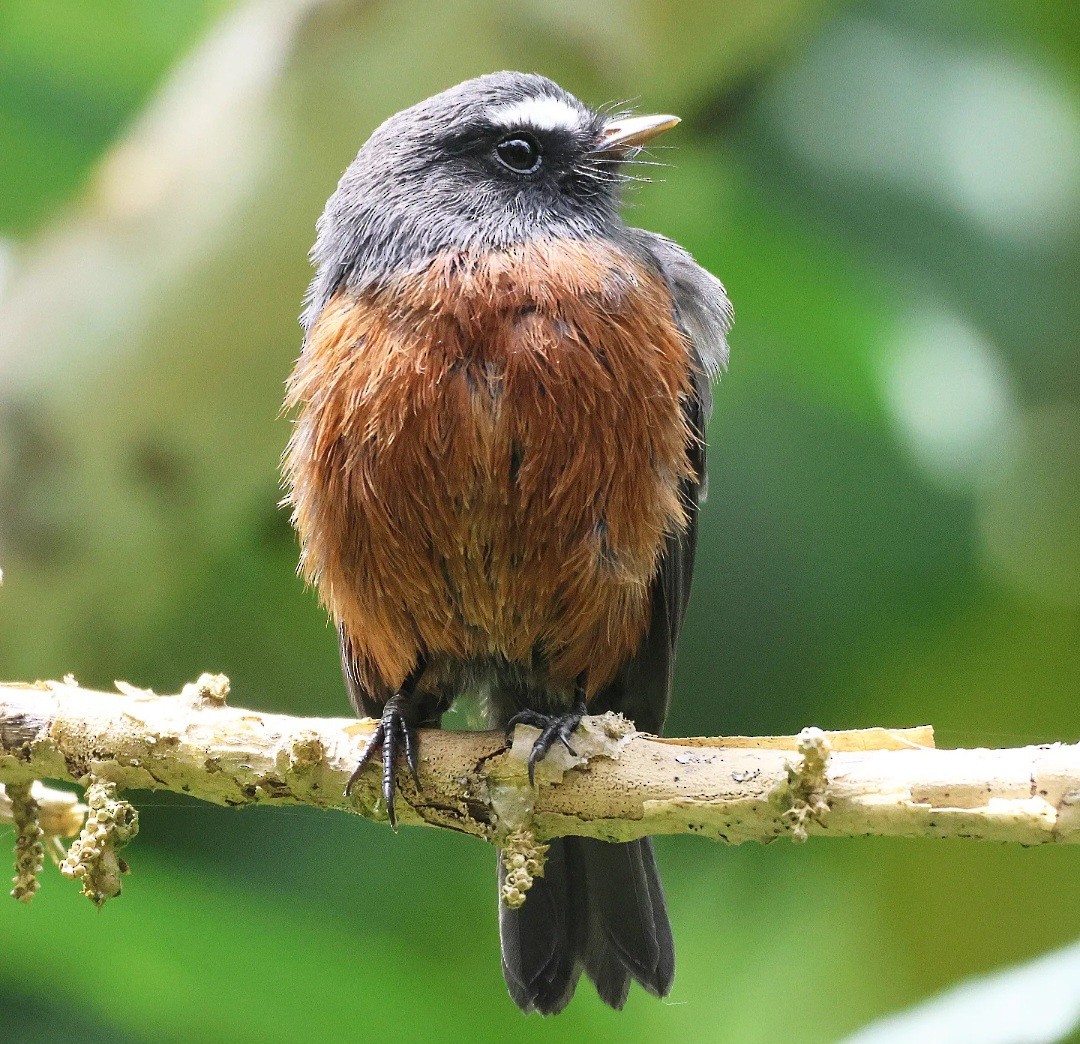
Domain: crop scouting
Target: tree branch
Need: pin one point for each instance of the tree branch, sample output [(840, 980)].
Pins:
[(624, 784)]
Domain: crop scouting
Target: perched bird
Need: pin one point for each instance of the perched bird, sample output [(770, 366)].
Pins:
[(497, 463)]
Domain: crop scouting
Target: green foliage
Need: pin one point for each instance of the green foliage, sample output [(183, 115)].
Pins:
[(73, 73), (890, 193)]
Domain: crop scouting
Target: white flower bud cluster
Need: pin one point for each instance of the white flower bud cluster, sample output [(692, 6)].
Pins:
[(212, 689), (29, 849), (808, 783), (523, 856), (92, 858)]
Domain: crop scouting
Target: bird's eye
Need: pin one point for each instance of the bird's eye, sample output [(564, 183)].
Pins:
[(520, 153)]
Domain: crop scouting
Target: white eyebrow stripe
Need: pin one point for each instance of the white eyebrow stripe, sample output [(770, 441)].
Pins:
[(541, 113)]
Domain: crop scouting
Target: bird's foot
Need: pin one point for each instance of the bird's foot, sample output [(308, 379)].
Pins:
[(553, 727), (396, 730)]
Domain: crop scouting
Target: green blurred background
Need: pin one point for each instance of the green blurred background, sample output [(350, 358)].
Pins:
[(891, 193)]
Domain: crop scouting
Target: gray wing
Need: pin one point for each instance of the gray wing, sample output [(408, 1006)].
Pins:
[(702, 309), (642, 689)]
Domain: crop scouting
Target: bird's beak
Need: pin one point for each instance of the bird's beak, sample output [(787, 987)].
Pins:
[(634, 130)]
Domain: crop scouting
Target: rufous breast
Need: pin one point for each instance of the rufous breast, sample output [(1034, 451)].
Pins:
[(487, 457)]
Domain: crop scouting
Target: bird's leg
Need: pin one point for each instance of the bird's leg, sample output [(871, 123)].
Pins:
[(552, 727), (401, 716)]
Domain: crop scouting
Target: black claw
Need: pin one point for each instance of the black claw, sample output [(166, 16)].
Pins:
[(389, 749), (526, 717), (552, 728), (397, 729), (412, 753), (365, 756), (566, 740), (537, 752)]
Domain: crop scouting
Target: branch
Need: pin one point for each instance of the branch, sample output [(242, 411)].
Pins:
[(625, 784)]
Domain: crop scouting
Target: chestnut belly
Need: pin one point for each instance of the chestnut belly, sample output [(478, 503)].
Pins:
[(494, 491)]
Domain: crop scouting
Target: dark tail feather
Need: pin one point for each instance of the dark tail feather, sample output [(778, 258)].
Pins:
[(598, 907), (541, 940), (628, 918)]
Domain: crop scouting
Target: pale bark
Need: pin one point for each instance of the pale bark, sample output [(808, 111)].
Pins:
[(621, 785)]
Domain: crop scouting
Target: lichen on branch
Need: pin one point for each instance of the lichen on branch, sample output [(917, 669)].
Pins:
[(93, 857), (620, 784), (29, 849)]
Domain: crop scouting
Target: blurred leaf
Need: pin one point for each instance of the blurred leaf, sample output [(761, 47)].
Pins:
[(196, 957), (1036, 1003), (144, 339), (72, 74)]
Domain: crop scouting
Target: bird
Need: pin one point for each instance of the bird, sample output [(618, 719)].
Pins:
[(497, 462)]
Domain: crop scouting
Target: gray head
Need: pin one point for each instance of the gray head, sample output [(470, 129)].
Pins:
[(494, 161)]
